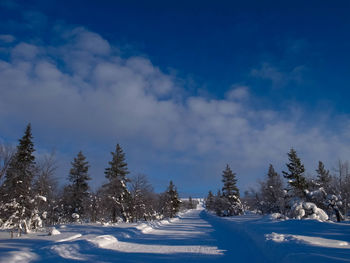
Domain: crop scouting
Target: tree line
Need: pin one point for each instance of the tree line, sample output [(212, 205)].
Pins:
[(320, 196), (31, 197)]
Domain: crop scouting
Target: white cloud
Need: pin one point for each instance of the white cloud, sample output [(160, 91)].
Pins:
[(278, 77), (82, 88), (87, 41), (25, 51), (238, 92), (7, 38)]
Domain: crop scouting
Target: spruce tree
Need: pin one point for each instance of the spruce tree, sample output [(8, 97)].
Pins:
[(229, 190), (321, 187), (272, 192), (172, 201), (116, 189), (79, 177), (323, 177), (209, 202), (17, 186), (295, 174), (230, 204)]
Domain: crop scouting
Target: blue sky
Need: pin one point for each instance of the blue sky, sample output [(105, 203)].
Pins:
[(184, 86)]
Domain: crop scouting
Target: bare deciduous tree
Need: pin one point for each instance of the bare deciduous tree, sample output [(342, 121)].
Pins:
[(6, 154)]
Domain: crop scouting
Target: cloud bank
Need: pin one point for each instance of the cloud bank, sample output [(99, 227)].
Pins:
[(81, 88)]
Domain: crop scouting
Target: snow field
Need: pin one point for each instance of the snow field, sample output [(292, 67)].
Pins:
[(194, 236)]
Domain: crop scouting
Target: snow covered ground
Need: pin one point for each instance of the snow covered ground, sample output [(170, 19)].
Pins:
[(194, 236)]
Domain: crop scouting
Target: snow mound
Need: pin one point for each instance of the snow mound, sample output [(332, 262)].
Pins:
[(144, 228), (69, 238), (310, 240), (276, 216), (164, 222), (68, 251), (18, 256), (110, 242), (175, 219), (150, 226), (53, 231), (278, 237), (104, 241)]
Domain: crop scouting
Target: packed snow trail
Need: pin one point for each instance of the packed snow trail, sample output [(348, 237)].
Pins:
[(186, 239), (195, 236), (232, 237)]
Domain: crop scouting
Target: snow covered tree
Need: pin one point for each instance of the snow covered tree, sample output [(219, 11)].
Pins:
[(142, 198), (323, 176), (78, 187), (345, 194), (172, 201), (190, 203), (116, 189), (210, 201), (342, 185), (295, 175), (319, 188), (17, 187), (230, 201), (252, 201), (221, 205), (45, 185), (271, 192), (93, 207), (44, 182), (229, 190)]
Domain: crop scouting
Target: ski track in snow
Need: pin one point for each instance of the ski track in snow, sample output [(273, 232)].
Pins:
[(194, 236)]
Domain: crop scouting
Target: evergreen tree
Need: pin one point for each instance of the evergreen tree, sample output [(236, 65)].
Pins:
[(323, 177), (230, 203), (116, 188), (221, 204), (17, 187), (209, 202), (295, 174), (172, 201), (229, 190), (272, 192), (320, 188), (78, 189)]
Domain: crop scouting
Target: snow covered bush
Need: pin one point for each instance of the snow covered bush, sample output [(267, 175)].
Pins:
[(302, 210), (36, 221), (53, 231), (333, 202), (277, 216), (75, 216)]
